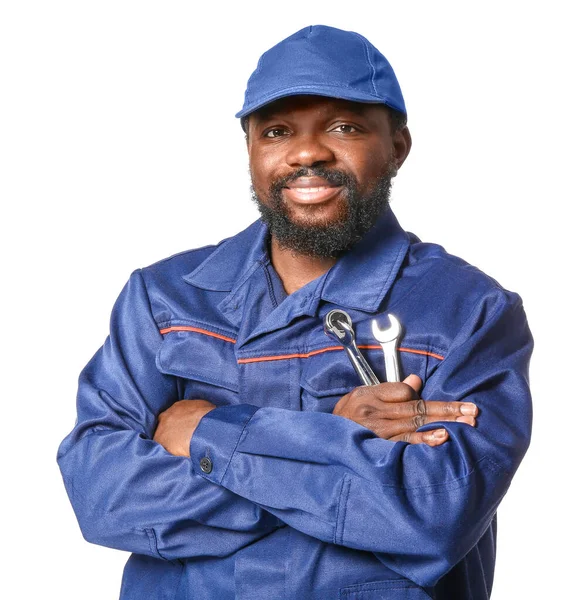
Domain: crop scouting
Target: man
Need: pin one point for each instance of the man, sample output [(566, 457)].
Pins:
[(225, 441)]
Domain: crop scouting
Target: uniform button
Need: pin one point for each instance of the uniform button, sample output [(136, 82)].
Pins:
[(206, 465)]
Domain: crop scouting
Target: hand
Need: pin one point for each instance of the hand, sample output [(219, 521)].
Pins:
[(177, 424), (394, 412)]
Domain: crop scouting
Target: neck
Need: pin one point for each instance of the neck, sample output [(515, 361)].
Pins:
[(296, 270)]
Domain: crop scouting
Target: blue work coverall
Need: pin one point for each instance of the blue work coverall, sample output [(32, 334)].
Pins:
[(281, 499)]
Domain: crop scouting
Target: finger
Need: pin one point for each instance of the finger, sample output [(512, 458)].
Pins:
[(397, 427), (391, 392), (415, 382), (446, 411), (436, 408), (463, 419), (404, 429), (468, 420), (436, 437)]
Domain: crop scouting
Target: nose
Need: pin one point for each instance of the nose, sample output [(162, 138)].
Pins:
[(308, 150)]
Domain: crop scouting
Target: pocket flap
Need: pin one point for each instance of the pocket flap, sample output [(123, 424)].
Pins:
[(329, 373), (193, 352)]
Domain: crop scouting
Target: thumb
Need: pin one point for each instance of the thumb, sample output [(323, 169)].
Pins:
[(415, 382)]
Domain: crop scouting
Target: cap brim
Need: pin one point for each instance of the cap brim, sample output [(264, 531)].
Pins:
[(318, 90)]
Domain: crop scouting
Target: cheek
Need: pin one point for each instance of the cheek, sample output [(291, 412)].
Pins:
[(371, 166), (259, 183), (257, 174), (263, 169)]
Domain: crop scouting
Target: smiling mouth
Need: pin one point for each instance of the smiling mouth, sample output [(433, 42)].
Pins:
[(311, 190)]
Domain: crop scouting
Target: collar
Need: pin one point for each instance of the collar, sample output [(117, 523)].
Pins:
[(235, 259), (362, 277), (359, 280)]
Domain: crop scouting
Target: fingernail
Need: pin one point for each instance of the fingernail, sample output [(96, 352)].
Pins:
[(468, 420), (468, 409), (439, 434)]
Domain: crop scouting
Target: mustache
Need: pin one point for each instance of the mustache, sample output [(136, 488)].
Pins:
[(332, 176)]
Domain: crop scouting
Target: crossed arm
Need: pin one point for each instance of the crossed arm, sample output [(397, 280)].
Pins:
[(392, 411), (129, 493)]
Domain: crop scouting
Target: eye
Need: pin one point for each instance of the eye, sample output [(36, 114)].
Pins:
[(275, 132), (345, 128)]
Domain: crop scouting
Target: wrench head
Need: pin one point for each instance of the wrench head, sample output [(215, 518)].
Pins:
[(338, 325), (390, 334)]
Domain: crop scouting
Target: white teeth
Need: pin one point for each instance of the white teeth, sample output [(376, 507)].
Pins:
[(311, 190)]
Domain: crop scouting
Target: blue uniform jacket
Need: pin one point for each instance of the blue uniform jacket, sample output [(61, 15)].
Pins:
[(294, 502)]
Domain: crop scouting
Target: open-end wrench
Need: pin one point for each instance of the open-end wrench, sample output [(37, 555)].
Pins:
[(388, 338), (339, 326)]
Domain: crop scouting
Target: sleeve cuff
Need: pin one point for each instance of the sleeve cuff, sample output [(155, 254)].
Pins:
[(216, 437)]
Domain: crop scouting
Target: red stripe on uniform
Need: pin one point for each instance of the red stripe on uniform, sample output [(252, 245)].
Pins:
[(197, 330), (243, 361)]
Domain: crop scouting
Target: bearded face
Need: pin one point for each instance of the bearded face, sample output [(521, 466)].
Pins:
[(321, 170), (317, 232)]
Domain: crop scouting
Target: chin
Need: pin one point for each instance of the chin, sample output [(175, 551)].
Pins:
[(319, 217)]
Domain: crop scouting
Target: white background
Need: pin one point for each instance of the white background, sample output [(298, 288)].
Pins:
[(118, 147)]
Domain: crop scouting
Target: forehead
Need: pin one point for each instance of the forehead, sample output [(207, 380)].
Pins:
[(319, 107)]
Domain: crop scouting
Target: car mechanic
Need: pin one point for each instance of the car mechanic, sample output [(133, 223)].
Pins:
[(225, 441)]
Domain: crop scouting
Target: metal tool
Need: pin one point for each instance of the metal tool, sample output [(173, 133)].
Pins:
[(388, 338), (339, 326)]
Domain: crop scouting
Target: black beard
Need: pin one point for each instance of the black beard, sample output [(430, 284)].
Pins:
[(356, 214)]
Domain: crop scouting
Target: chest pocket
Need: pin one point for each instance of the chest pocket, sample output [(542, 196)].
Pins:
[(204, 361), (326, 377), (329, 375)]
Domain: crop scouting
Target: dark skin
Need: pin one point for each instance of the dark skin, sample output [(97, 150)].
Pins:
[(303, 131)]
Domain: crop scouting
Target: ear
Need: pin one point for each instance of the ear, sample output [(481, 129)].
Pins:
[(245, 121), (402, 143)]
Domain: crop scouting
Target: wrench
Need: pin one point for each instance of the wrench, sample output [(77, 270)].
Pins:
[(388, 338), (338, 325)]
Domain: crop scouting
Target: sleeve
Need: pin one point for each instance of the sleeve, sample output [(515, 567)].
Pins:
[(420, 509), (127, 491)]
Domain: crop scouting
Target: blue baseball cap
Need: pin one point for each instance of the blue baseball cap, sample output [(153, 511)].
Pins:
[(323, 61)]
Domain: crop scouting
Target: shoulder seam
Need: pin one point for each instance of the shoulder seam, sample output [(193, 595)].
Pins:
[(182, 253)]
